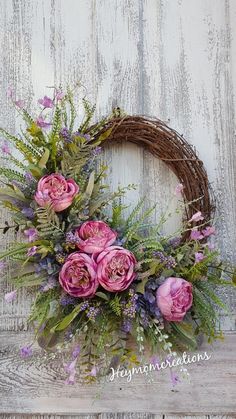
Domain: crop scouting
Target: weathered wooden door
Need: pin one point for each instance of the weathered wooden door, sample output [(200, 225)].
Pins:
[(175, 59)]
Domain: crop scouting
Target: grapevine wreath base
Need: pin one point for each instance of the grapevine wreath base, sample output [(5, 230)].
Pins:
[(99, 279)]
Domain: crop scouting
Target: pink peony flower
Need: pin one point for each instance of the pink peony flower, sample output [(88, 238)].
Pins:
[(78, 275), (196, 217), (174, 298), (56, 191), (46, 102), (115, 268), (95, 236)]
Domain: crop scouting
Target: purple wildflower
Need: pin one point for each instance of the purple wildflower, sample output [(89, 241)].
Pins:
[(20, 103), (67, 300), (154, 360), (3, 266), (29, 177), (76, 351), (126, 326), (28, 212), (175, 242), (174, 378), (168, 261), (31, 234), (46, 102), (94, 371), (10, 92), (65, 134), (61, 257), (45, 264), (81, 135), (5, 148), (59, 95), (196, 217), (26, 351), (208, 231), (199, 257), (84, 306), (92, 313), (10, 296), (146, 303), (196, 235), (32, 251), (71, 238), (50, 284), (96, 151), (179, 190), (129, 308), (210, 246), (70, 369), (42, 123)]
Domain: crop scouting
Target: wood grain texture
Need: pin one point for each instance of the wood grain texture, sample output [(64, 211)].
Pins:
[(174, 59), (38, 387)]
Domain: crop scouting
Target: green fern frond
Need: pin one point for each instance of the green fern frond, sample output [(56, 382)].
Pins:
[(54, 136), (89, 112), (72, 110), (29, 120), (135, 212), (25, 149), (11, 174), (116, 306), (48, 223), (16, 162)]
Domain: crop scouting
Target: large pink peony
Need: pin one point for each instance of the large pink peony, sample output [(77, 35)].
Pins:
[(54, 189), (115, 270), (174, 298), (78, 275), (95, 236)]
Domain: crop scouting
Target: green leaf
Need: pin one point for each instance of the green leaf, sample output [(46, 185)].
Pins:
[(44, 159), (90, 186), (141, 286), (53, 307), (15, 250), (102, 295), (105, 135), (185, 332), (63, 324)]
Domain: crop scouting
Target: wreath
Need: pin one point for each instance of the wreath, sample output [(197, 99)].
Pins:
[(96, 277)]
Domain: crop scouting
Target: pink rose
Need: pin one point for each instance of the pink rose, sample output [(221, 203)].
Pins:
[(78, 275), (57, 191), (95, 236), (174, 298), (115, 270)]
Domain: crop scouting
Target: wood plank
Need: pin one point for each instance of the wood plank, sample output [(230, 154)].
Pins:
[(38, 387)]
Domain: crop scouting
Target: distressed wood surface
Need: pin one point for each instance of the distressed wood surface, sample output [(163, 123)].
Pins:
[(174, 59), (36, 387)]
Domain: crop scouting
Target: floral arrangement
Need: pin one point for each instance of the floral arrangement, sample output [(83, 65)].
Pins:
[(98, 278)]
